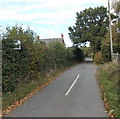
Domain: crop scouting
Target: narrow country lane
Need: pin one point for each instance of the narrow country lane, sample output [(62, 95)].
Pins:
[(73, 94)]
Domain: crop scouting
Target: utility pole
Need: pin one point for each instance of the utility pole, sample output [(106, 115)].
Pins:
[(111, 44)]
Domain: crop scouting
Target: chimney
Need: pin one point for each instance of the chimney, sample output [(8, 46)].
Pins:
[(62, 36)]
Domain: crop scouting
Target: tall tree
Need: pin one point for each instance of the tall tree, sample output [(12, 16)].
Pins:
[(91, 25)]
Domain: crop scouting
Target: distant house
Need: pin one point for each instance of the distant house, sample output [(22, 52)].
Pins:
[(49, 40)]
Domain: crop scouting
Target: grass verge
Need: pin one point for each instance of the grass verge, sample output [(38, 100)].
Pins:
[(11, 100), (107, 75)]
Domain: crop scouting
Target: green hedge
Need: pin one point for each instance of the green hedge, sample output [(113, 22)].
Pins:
[(32, 61), (106, 53)]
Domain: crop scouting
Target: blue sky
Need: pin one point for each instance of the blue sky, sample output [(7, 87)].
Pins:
[(47, 18)]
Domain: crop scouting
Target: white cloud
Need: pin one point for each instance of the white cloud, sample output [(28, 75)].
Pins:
[(53, 16), (65, 9)]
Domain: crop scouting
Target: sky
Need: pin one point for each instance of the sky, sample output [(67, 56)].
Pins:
[(47, 18)]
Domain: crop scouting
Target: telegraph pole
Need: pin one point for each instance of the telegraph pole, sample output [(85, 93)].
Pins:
[(111, 44)]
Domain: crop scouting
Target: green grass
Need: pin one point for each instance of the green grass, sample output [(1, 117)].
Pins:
[(25, 88), (19, 93), (107, 75)]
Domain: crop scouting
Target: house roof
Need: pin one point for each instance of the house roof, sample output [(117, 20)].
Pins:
[(49, 40)]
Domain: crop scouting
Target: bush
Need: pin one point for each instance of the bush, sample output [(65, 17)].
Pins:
[(78, 54), (98, 58), (15, 63), (106, 55), (59, 54), (32, 61)]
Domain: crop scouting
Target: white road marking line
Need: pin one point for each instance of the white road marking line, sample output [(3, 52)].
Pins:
[(72, 85)]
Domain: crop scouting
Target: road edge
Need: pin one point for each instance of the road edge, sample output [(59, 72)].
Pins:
[(35, 91)]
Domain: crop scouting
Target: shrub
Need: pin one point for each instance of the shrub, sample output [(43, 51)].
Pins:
[(78, 54), (32, 61), (59, 53), (106, 55), (98, 58)]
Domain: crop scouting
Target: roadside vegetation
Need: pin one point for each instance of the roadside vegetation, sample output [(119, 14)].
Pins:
[(107, 75), (92, 25), (31, 63)]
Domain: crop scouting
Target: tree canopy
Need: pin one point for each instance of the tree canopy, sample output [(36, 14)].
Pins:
[(91, 25)]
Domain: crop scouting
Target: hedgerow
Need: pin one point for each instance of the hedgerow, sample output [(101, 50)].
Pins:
[(32, 61)]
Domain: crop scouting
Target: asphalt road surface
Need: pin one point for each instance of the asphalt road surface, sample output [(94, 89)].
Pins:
[(75, 93)]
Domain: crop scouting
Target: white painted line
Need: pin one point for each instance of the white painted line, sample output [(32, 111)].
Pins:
[(72, 85)]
